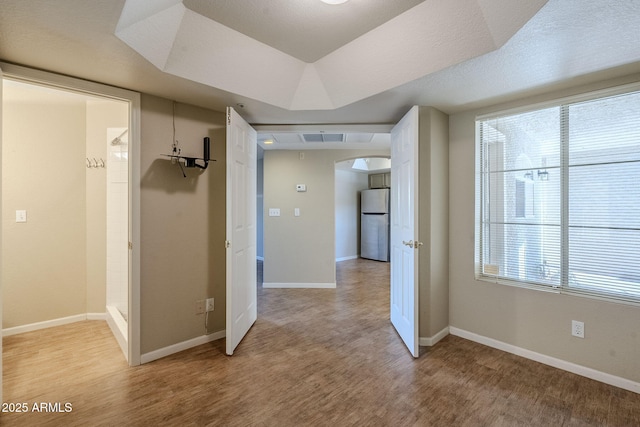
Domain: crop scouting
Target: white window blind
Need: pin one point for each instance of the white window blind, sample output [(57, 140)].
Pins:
[(558, 198)]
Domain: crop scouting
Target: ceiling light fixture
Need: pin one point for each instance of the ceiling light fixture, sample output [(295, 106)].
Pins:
[(334, 1)]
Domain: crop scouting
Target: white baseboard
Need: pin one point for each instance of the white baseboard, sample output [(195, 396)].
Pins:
[(96, 316), (346, 258), (119, 329), (299, 285), (550, 361), (431, 341), (51, 323), (181, 346)]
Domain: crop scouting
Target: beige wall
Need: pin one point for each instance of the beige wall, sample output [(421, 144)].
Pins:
[(182, 225), (534, 320), (44, 268), (302, 250), (56, 261), (433, 221)]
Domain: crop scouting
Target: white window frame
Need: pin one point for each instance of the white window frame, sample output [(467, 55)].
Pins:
[(493, 277)]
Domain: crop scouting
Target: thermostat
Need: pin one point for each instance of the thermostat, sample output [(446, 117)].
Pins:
[(301, 187)]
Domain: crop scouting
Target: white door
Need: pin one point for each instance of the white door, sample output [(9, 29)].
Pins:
[(241, 229), (404, 229)]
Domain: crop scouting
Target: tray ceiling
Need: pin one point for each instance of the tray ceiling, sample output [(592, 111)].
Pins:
[(426, 38)]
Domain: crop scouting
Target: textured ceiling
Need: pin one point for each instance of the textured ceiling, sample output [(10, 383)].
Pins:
[(565, 44)]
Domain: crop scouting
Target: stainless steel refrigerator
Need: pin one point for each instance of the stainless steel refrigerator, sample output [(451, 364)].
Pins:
[(374, 224)]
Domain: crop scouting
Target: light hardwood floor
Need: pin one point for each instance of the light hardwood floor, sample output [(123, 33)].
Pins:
[(320, 357)]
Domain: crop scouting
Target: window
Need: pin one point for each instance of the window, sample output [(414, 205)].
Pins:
[(558, 197)]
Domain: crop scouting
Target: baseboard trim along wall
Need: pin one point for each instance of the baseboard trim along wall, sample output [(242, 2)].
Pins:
[(550, 361), (181, 346), (51, 323), (96, 316), (431, 341), (347, 258), (299, 285)]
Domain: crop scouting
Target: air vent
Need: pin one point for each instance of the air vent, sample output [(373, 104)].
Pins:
[(323, 137)]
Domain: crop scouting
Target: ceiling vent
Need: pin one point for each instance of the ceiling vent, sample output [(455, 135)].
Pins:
[(323, 137)]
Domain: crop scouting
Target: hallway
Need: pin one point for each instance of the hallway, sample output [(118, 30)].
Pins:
[(314, 357)]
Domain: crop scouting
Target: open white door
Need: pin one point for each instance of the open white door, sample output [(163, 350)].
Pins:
[(241, 229), (404, 229)]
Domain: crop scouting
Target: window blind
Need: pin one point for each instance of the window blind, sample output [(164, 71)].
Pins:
[(558, 198)]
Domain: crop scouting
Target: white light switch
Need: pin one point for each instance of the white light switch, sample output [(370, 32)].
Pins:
[(274, 212), (296, 211), (21, 216)]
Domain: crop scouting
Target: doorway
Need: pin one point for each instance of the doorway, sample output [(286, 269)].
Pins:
[(351, 177), (65, 174), (59, 202)]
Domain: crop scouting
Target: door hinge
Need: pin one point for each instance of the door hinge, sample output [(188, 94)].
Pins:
[(130, 245), (227, 244), (229, 117)]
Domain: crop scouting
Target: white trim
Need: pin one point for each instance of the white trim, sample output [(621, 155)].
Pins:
[(48, 324), (133, 321), (118, 327), (431, 341), (329, 128), (181, 346), (299, 285), (550, 361), (346, 258), (96, 316)]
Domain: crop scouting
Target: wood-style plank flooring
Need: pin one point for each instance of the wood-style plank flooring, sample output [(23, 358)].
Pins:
[(315, 357)]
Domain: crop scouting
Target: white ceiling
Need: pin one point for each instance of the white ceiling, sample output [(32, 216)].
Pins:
[(566, 43), (429, 37), (307, 30)]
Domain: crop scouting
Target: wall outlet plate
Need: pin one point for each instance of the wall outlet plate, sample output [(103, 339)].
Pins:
[(209, 305), (21, 215), (577, 328)]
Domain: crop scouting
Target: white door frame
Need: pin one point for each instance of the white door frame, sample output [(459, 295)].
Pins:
[(404, 242), (1, 100), (133, 98)]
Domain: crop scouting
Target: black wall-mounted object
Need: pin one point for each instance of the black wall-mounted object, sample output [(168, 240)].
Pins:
[(194, 162)]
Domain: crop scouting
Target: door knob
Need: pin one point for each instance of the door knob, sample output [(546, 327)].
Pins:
[(409, 243)]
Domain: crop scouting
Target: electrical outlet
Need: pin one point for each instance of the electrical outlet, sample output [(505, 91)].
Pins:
[(200, 304), (577, 328), (209, 306)]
